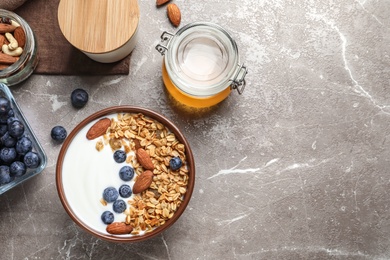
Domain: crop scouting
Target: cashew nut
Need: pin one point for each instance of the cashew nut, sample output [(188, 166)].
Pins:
[(13, 43), (15, 53)]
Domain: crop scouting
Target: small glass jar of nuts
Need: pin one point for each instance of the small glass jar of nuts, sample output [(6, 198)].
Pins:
[(18, 49)]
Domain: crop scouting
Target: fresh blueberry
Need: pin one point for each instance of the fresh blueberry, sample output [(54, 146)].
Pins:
[(125, 191), (4, 175), (17, 169), (31, 160), (119, 206), (8, 155), (79, 98), (119, 156), (16, 128), (10, 119), (3, 129), (23, 145), (7, 140), (5, 106), (126, 173), (11, 113), (175, 163), (107, 217), (58, 133), (110, 194)]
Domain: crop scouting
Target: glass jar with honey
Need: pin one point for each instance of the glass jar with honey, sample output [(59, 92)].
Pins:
[(201, 64)]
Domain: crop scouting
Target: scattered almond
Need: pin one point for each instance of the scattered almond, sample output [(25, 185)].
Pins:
[(174, 14), (119, 228), (143, 182), (144, 159), (161, 2), (99, 128)]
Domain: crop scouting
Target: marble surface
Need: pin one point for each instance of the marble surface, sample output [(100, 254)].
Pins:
[(295, 168)]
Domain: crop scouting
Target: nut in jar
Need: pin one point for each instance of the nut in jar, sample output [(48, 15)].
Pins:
[(18, 49)]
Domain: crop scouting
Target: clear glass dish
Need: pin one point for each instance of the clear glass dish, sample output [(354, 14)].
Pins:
[(5, 92)]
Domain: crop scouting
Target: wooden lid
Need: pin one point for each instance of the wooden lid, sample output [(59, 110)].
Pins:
[(98, 26)]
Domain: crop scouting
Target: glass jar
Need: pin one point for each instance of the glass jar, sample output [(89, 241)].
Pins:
[(201, 64), (28, 60)]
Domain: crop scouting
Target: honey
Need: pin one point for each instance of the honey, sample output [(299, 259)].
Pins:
[(201, 65)]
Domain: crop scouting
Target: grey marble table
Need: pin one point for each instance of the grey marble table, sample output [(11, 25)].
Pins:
[(295, 168)]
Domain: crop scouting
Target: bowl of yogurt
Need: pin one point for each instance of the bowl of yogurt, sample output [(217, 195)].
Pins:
[(106, 187)]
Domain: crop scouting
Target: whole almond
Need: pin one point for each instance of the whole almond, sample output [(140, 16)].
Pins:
[(99, 128), (7, 59), (143, 182), (174, 14), (161, 2), (144, 159), (119, 228), (20, 36), (4, 28)]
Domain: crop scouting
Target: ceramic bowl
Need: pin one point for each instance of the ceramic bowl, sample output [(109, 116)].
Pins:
[(85, 168)]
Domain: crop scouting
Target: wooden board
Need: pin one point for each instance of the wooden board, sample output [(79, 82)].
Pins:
[(98, 26)]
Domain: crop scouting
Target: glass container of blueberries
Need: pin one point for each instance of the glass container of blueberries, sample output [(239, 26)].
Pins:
[(21, 154)]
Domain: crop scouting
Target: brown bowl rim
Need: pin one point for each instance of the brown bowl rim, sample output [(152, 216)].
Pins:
[(127, 109)]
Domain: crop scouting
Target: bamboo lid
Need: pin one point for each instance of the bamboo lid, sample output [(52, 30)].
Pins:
[(98, 26)]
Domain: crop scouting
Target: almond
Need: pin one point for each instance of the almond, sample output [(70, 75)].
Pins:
[(7, 59), (143, 182), (144, 159), (2, 40), (119, 228), (4, 28), (161, 2), (20, 36), (99, 128), (174, 14)]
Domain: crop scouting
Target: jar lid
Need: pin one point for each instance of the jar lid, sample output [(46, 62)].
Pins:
[(201, 59), (98, 26)]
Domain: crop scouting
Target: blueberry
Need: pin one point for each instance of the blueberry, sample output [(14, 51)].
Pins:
[(17, 169), (11, 113), (23, 145), (126, 173), (79, 98), (16, 129), (175, 163), (3, 119), (107, 217), (7, 140), (3, 129), (119, 206), (119, 156), (8, 155), (4, 175), (10, 119), (125, 191), (31, 160), (110, 194), (58, 133), (5, 106)]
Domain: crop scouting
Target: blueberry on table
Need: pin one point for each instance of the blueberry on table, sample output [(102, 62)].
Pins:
[(119, 206), (5, 176), (119, 156), (175, 163), (16, 128), (8, 155), (58, 133), (125, 191), (126, 173), (107, 217), (110, 194), (31, 160), (23, 145), (79, 98), (5, 106), (17, 169)]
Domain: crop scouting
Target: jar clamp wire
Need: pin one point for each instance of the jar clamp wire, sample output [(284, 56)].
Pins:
[(201, 64)]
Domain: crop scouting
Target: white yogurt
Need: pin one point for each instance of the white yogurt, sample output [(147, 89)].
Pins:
[(86, 172)]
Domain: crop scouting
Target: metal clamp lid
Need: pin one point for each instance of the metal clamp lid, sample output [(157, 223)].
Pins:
[(165, 37), (239, 83)]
